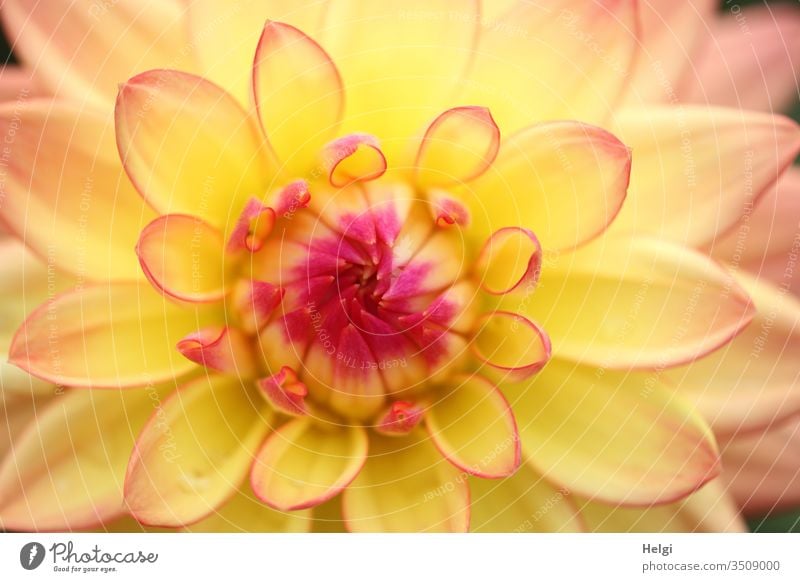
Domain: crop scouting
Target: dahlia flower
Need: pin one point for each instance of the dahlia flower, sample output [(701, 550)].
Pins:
[(431, 268)]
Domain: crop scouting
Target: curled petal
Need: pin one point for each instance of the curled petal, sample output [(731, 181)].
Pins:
[(254, 302), (298, 95), (474, 428), (183, 257), (292, 198), (225, 350), (353, 158), (401, 418), (510, 258), (304, 464), (253, 227), (511, 343), (285, 392), (447, 211), (458, 147)]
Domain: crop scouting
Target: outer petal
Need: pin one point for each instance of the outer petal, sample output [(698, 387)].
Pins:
[(66, 194), (754, 381), (764, 469), (522, 503), (225, 37), (617, 437), (115, 335), (17, 410), (244, 513), (672, 33), (699, 169), (710, 509), (767, 232), (82, 49), (564, 59), (473, 426), (189, 147), (406, 486), (304, 464), (17, 83), (458, 146), (565, 181), (636, 302), (299, 95), (66, 470), (184, 257), (427, 45), (24, 283), (747, 60), (195, 451)]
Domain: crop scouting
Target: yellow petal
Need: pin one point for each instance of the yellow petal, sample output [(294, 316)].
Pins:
[(304, 463), (458, 147), (114, 335), (709, 510), (563, 59), (512, 345), (400, 64), (613, 436), (511, 257), (189, 147), (699, 169), (67, 469), (636, 302), (525, 502), (299, 96), (225, 37), (406, 486), (565, 181), (753, 381), (472, 425), (244, 513), (195, 451), (183, 256), (67, 195), (84, 48), (25, 282)]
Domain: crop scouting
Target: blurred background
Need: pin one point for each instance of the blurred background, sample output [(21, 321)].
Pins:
[(785, 522)]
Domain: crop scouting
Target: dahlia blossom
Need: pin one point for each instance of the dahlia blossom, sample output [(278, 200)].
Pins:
[(437, 267)]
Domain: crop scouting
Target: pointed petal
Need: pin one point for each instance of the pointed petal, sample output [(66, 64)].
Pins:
[(183, 257), (636, 302), (285, 392), (299, 95), (304, 463), (401, 418), (67, 195), (564, 59), (253, 227), (458, 146), (66, 470), (754, 381), (472, 425), (406, 486), (709, 510), (245, 513), (612, 436), (83, 49), (763, 469), (225, 38), (525, 502), (189, 147), (194, 452), (699, 169), (564, 181), (114, 335), (428, 57), (747, 59)]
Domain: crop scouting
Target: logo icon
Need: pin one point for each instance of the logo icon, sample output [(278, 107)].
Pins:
[(31, 555)]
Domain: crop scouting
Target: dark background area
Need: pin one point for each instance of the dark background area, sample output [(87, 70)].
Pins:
[(788, 522)]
